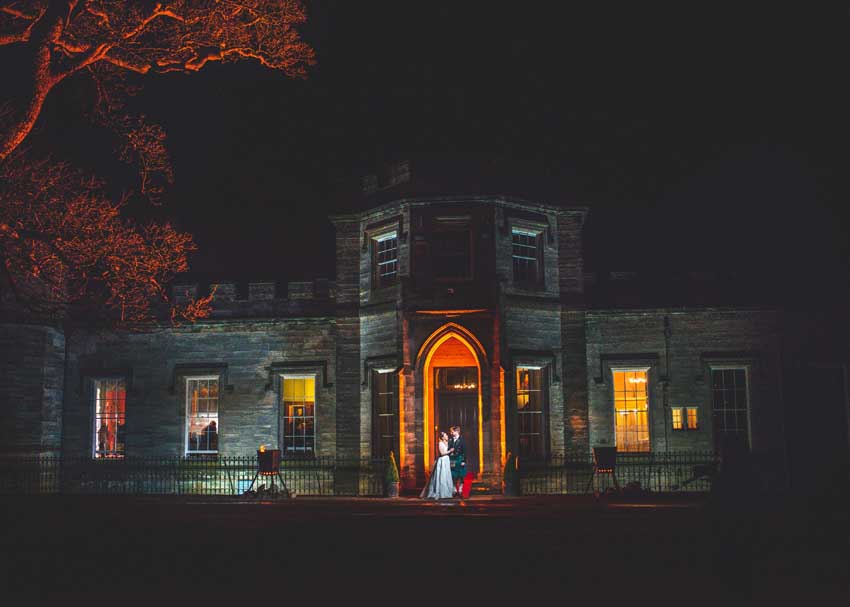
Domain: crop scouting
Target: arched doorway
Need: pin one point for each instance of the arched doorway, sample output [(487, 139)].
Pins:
[(452, 392)]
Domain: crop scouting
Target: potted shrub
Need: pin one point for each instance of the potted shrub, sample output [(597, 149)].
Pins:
[(391, 476), (511, 475)]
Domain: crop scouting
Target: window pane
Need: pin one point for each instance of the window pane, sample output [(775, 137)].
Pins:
[(384, 413), (631, 403), (693, 421), (525, 257), (729, 402), (677, 418), (530, 403), (299, 423), (109, 428), (202, 425), (385, 256)]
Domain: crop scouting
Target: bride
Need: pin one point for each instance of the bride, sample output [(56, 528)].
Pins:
[(440, 484)]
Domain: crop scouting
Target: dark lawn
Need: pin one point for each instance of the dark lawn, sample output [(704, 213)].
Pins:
[(379, 550)]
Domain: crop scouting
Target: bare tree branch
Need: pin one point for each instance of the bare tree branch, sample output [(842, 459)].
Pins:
[(67, 36)]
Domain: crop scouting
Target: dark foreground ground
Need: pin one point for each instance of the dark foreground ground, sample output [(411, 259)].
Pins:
[(115, 551)]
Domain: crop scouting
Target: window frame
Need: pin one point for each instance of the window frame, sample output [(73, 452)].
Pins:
[(538, 233), (684, 418), (282, 416), (682, 424), (545, 389), (186, 416), (454, 223), (731, 367), (374, 241), (687, 418), (633, 369), (93, 386), (392, 376)]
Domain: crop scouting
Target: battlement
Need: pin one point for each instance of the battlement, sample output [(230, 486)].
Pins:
[(260, 298)]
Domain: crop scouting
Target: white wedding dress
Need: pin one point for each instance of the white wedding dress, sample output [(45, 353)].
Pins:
[(440, 484)]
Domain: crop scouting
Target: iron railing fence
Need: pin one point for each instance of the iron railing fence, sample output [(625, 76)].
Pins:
[(223, 475), (329, 476), (671, 472)]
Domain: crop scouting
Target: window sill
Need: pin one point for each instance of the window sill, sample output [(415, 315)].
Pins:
[(529, 287), (381, 289)]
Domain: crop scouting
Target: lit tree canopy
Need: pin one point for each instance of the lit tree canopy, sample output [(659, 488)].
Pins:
[(65, 246), (140, 36), (67, 250)]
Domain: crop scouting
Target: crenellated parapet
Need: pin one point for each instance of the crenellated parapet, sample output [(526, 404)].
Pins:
[(262, 299)]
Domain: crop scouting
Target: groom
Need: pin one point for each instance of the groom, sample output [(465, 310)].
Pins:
[(457, 457)]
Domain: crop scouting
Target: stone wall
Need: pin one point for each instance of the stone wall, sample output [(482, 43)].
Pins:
[(32, 365), (347, 346), (544, 219), (699, 339), (379, 349), (247, 356), (574, 381), (532, 329), (571, 254), (263, 299)]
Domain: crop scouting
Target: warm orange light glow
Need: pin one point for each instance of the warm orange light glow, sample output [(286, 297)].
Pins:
[(693, 423), (502, 413), (631, 404), (401, 437), (463, 386), (450, 312), (480, 427), (461, 332), (463, 337), (677, 417), (262, 448)]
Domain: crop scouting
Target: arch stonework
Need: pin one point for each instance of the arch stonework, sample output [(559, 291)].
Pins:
[(417, 403)]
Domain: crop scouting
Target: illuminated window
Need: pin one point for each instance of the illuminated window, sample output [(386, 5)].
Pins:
[(110, 397), (678, 423), (299, 414), (450, 249), (457, 379), (631, 404), (730, 398), (530, 405), (692, 419), (385, 412), (685, 418), (526, 252), (202, 415), (385, 259)]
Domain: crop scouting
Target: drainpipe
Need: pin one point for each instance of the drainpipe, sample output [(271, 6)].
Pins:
[(665, 388), (66, 334)]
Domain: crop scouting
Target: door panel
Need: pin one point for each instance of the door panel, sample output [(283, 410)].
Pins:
[(460, 409)]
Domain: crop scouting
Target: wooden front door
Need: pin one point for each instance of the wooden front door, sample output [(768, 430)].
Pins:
[(457, 405)]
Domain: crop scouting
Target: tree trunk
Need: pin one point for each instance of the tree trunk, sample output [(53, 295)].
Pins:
[(48, 29)]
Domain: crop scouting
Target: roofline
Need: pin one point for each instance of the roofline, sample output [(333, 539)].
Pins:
[(678, 309), (427, 200)]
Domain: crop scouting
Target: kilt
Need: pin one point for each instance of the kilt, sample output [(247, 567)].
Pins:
[(458, 468)]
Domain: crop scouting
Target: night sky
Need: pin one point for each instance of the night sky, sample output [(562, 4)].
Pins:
[(700, 139)]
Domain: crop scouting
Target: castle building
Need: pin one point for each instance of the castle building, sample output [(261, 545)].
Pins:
[(462, 310)]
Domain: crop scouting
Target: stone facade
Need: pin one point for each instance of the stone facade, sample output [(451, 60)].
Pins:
[(32, 361), (394, 319)]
